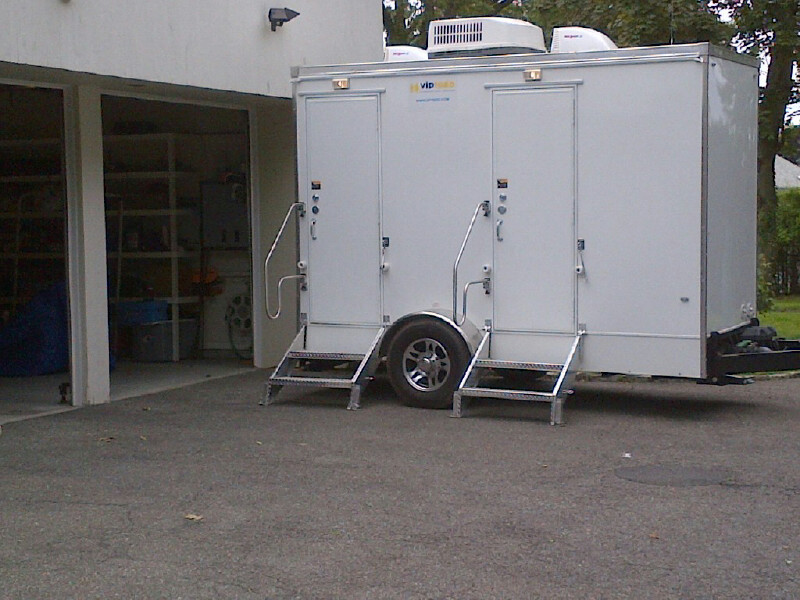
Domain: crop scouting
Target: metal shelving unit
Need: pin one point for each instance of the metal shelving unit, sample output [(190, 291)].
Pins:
[(144, 185), (32, 233)]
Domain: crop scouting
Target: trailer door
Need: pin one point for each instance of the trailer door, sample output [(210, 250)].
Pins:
[(342, 194), (534, 280)]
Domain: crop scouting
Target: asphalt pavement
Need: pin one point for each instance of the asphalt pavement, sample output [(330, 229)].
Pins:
[(656, 489)]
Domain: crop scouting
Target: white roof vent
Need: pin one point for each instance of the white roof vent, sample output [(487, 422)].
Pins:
[(579, 39), (403, 53), (483, 36)]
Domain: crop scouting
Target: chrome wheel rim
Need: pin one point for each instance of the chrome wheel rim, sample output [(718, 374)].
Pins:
[(426, 365)]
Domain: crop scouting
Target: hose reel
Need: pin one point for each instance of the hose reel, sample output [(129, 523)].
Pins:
[(239, 316)]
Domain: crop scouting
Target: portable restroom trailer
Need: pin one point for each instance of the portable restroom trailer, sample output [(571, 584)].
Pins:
[(476, 217)]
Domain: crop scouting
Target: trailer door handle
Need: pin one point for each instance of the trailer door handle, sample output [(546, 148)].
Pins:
[(499, 223), (313, 229), (580, 269)]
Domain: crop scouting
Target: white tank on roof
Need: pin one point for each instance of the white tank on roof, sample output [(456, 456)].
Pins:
[(403, 53), (579, 39)]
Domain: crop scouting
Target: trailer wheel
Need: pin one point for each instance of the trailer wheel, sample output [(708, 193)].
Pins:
[(426, 360)]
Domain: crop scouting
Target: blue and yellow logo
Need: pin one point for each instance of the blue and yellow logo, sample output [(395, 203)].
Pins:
[(432, 86)]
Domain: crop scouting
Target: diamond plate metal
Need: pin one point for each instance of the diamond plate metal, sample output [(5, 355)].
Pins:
[(527, 366), (325, 356), (312, 381), (507, 394)]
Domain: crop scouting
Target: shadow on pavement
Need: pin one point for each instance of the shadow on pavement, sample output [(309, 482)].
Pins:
[(675, 401)]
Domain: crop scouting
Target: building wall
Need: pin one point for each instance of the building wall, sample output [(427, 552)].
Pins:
[(217, 44)]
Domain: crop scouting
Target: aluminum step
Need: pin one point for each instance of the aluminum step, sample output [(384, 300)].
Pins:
[(480, 392), (325, 356), (487, 363), (355, 380), (470, 382), (327, 382)]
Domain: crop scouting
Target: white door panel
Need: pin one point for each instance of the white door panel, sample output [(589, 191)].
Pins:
[(342, 196), (535, 247)]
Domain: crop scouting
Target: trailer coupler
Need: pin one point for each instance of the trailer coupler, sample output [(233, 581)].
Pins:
[(751, 348)]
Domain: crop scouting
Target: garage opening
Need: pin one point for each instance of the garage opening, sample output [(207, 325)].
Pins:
[(178, 242), (34, 335)]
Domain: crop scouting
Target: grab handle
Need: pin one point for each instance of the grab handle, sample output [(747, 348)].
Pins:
[(300, 207), (486, 208)]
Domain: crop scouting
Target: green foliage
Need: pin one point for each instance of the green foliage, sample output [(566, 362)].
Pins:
[(779, 271), (634, 22), (784, 316), (787, 242), (765, 294), (790, 144)]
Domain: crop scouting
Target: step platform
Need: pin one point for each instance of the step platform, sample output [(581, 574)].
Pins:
[(333, 370), (545, 381)]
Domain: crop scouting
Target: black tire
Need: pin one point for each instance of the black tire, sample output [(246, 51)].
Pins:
[(426, 360)]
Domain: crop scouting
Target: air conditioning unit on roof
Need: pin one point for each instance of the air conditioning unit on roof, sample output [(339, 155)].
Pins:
[(483, 36)]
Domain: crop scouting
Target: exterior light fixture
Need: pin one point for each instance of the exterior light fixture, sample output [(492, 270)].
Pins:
[(278, 16)]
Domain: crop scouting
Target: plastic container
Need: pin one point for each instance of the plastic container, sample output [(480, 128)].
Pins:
[(152, 342), (147, 311)]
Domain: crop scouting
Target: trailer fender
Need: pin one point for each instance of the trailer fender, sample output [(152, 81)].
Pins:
[(468, 331)]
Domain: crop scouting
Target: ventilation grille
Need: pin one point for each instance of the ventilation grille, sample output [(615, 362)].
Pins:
[(448, 34)]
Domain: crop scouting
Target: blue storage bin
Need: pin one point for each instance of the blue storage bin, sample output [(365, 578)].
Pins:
[(36, 340), (138, 313)]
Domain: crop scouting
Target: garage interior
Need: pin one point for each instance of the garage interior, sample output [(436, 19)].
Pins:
[(177, 243)]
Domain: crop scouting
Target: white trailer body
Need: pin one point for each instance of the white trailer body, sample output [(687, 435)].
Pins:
[(621, 190)]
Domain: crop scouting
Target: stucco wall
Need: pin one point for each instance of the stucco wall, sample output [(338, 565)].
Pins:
[(217, 44)]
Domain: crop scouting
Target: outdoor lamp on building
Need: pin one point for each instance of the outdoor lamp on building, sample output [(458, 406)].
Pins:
[(278, 16)]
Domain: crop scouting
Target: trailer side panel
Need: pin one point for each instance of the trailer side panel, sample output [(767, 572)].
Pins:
[(731, 195)]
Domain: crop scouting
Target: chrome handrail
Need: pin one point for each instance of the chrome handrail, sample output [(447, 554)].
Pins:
[(301, 209), (485, 281), (486, 210)]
